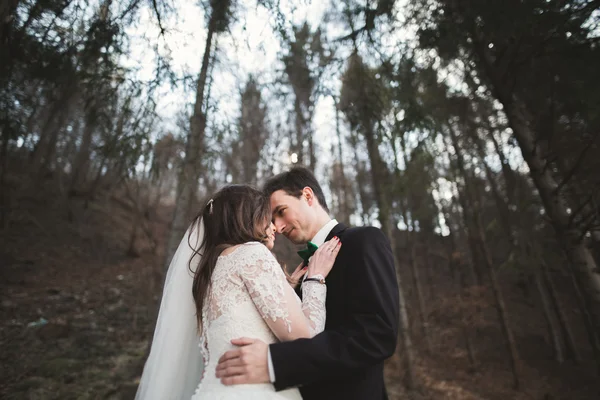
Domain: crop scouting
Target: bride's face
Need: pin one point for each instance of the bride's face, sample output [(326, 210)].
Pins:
[(270, 240)]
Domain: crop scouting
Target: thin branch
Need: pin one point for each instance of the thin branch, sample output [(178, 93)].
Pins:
[(158, 17)]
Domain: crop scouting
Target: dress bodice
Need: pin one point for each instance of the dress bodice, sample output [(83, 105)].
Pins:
[(231, 312)]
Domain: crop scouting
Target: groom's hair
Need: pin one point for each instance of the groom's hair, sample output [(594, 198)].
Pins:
[(293, 181)]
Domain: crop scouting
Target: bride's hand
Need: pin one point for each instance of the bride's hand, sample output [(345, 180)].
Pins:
[(294, 278), (322, 261)]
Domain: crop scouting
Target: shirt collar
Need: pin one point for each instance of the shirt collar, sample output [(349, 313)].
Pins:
[(320, 237)]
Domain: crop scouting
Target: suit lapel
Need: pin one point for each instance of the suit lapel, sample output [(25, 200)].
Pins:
[(336, 231), (339, 228)]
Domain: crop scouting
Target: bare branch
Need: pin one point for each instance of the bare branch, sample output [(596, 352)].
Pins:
[(158, 18)]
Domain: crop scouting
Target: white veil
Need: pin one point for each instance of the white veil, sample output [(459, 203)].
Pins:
[(174, 367)]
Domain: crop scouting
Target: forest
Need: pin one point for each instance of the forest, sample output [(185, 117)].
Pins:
[(467, 130)]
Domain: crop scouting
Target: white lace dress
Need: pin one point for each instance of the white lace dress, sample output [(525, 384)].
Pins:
[(250, 297)]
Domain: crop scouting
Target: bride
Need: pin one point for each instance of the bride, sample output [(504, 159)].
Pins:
[(224, 283)]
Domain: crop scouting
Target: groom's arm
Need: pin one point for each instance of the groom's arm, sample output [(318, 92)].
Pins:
[(370, 333)]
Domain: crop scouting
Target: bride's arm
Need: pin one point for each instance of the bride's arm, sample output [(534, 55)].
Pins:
[(277, 302)]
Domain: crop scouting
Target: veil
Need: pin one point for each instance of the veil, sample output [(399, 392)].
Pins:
[(174, 367)]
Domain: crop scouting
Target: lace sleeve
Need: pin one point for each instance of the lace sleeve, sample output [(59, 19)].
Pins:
[(275, 299), (313, 305)]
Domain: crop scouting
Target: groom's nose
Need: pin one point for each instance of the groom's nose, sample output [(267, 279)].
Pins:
[(279, 225)]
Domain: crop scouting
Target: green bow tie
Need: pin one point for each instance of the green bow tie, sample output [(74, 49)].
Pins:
[(308, 251)]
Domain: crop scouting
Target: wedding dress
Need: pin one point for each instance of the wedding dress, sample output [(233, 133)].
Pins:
[(250, 297)]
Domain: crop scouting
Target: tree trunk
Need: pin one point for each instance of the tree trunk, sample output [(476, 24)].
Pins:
[(360, 181), (82, 159), (474, 269), (378, 176), (576, 194), (501, 204), (581, 262), (552, 327), (311, 151), (299, 131), (419, 289), (506, 217), (502, 313), (404, 332), (480, 236), (96, 182), (404, 328), (191, 166), (459, 284), (428, 271), (131, 250), (474, 266), (8, 9), (563, 324), (4, 197), (56, 117), (345, 196), (411, 242), (49, 150), (588, 321), (507, 172)]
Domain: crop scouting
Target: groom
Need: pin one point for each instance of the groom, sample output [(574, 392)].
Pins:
[(346, 360)]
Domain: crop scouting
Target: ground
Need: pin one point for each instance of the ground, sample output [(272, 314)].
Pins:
[(77, 311)]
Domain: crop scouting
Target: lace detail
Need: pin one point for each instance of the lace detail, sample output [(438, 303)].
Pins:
[(262, 276), (250, 297), (313, 305)]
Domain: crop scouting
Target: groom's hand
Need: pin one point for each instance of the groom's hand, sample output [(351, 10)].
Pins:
[(246, 364)]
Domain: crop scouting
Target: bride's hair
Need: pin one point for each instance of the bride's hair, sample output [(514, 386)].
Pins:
[(236, 214)]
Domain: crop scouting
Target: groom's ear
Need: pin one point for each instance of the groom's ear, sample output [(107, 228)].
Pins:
[(309, 195)]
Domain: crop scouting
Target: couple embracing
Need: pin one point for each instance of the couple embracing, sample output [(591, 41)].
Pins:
[(232, 326)]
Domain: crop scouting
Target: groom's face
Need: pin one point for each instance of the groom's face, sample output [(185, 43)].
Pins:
[(291, 216)]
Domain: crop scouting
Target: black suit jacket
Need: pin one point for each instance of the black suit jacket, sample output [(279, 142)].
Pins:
[(346, 360)]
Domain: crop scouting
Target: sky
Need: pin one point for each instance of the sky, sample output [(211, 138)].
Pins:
[(250, 48)]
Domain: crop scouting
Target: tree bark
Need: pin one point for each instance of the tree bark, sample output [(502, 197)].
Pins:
[(378, 176), (191, 166), (360, 180), (411, 243), (499, 298), (506, 217), (428, 271), (299, 131), (507, 172), (4, 197), (563, 324), (404, 328), (581, 262), (552, 326), (82, 159), (419, 289), (345, 196), (460, 284), (474, 267), (311, 151), (8, 9), (501, 204)]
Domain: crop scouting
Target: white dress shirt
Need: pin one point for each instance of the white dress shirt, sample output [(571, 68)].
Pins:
[(319, 239)]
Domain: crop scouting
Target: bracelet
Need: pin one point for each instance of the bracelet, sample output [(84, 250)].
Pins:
[(318, 278)]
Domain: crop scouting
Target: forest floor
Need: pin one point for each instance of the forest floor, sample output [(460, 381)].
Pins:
[(77, 312)]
